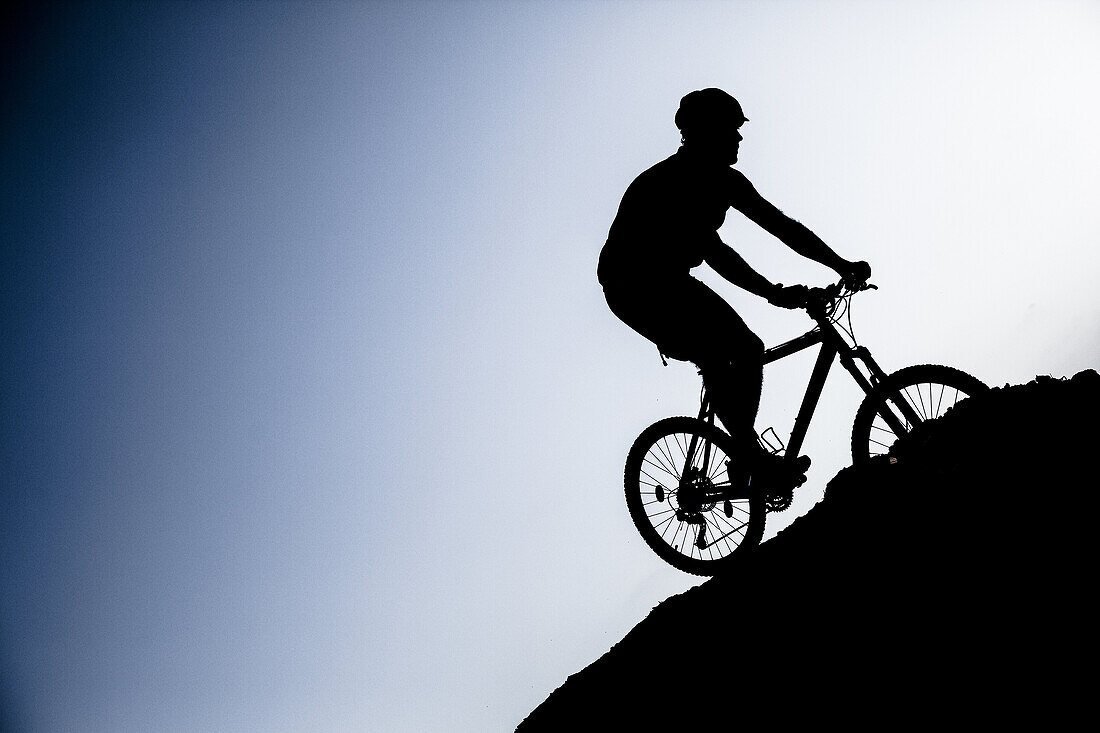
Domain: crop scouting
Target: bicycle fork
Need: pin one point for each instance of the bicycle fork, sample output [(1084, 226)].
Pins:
[(867, 378), (877, 375)]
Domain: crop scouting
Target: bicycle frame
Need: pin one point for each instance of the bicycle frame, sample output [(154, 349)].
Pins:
[(833, 346), (683, 474)]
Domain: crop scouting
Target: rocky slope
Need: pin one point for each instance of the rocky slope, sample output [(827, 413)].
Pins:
[(955, 585)]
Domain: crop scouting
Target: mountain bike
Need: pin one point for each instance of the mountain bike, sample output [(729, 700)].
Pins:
[(685, 489)]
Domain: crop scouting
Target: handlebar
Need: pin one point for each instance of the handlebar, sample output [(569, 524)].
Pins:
[(820, 301)]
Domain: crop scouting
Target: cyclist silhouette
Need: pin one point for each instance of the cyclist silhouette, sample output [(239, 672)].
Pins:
[(666, 225)]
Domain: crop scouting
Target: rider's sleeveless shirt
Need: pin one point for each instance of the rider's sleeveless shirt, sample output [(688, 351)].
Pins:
[(668, 218)]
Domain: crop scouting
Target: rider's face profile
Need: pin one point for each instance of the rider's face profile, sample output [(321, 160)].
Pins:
[(734, 139), (720, 142)]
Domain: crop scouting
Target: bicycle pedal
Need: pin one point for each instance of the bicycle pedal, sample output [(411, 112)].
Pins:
[(727, 509), (660, 493)]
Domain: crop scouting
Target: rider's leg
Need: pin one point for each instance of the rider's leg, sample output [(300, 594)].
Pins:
[(733, 382), (690, 322), (733, 372)]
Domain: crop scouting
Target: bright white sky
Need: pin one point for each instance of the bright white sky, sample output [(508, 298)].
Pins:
[(316, 416)]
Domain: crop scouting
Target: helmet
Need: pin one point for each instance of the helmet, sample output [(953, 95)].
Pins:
[(708, 108)]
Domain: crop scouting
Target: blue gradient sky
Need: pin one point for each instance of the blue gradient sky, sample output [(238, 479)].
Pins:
[(313, 414)]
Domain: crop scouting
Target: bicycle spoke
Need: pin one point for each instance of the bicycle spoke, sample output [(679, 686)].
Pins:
[(920, 398), (655, 462), (682, 446), (670, 446), (680, 537), (688, 460), (912, 403), (666, 453), (723, 536), (719, 460), (676, 465), (910, 397), (728, 521), (655, 481), (674, 524), (954, 400)]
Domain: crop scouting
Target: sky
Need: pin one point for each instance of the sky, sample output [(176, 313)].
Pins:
[(314, 416)]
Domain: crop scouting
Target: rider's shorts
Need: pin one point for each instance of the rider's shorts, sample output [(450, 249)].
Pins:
[(685, 319)]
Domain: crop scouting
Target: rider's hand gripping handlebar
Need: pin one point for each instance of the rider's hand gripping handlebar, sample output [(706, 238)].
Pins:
[(789, 296), (821, 300)]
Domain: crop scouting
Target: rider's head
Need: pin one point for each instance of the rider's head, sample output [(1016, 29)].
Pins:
[(708, 120)]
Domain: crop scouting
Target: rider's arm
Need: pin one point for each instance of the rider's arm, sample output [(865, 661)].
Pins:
[(792, 233), (733, 267)]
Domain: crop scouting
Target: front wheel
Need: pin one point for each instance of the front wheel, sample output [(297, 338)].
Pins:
[(903, 400), (679, 495)]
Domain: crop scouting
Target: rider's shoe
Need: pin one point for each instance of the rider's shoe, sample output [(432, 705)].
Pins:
[(776, 473), (768, 471)]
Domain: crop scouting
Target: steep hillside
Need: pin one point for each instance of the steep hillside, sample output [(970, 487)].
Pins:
[(955, 585)]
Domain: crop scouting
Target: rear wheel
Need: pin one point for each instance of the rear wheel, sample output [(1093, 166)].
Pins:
[(907, 398), (679, 495)]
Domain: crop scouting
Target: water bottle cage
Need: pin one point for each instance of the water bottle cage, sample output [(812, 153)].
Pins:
[(766, 441)]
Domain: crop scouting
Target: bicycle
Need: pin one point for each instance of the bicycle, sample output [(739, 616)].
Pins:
[(685, 494)]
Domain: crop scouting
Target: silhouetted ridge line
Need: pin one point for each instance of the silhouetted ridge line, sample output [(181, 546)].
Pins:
[(952, 585)]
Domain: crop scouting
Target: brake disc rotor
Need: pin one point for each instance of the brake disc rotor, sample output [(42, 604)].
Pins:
[(696, 492)]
